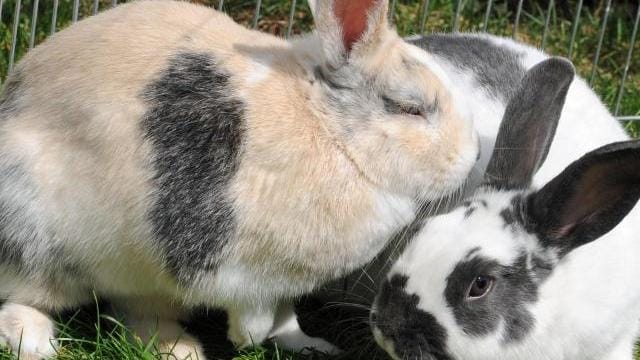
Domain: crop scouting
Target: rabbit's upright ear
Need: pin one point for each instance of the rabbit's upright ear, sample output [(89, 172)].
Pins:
[(528, 125), (348, 26), (588, 199)]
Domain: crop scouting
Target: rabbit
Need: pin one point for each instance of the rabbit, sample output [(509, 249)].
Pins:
[(165, 157), (535, 264), (485, 71)]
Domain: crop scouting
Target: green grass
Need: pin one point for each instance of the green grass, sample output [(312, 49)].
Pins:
[(90, 335)]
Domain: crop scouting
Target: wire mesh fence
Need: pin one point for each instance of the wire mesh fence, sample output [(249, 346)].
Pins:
[(600, 36)]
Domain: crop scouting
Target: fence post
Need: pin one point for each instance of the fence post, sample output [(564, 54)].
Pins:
[(256, 16), (34, 22), (628, 63), (574, 31), (547, 20), (517, 20), (76, 6), (291, 14), (54, 17), (14, 36), (456, 17), (603, 28), (423, 17), (486, 15), (392, 11)]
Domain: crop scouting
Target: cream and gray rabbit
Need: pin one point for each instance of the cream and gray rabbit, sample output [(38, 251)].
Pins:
[(165, 157)]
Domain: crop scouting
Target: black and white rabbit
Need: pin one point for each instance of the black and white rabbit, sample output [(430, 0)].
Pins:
[(534, 265), (484, 73), (165, 157)]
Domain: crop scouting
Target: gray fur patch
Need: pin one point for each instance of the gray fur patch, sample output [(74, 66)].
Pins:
[(357, 98), (480, 57), (514, 289), (348, 94), (195, 127), (513, 216), (10, 94), (17, 227)]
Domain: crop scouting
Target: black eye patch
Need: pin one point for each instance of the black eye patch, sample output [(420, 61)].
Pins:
[(416, 334), (514, 289)]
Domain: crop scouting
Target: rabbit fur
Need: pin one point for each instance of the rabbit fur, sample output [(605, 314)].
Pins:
[(164, 157), (540, 261), (485, 71)]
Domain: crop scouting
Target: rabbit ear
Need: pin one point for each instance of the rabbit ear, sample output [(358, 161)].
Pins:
[(589, 198), (529, 124), (347, 25)]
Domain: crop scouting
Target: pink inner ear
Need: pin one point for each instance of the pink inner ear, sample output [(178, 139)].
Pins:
[(352, 17)]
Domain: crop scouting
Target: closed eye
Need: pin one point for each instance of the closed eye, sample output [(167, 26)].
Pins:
[(410, 109), (401, 108), (406, 108)]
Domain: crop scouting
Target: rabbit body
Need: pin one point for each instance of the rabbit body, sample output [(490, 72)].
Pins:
[(165, 157), (559, 249)]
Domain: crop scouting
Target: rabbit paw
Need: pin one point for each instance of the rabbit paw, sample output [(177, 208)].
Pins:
[(28, 331), (185, 348)]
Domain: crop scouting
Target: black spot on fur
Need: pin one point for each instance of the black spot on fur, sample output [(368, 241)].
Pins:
[(515, 287), (195, 127), (479, 56), (513, 216), (416, 334), (508, 217), (469, 211)]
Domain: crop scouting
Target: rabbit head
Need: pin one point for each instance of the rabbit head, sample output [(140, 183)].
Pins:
[(387, 103), (465, 288)]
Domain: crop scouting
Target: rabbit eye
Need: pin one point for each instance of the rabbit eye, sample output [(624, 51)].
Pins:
[(480, 287), (411, 110), (404, 108)]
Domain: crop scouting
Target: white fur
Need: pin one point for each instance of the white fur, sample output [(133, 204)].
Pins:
[(25, 328), (260, 70)]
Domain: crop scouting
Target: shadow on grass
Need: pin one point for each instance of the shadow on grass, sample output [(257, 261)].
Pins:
[(91, 333)]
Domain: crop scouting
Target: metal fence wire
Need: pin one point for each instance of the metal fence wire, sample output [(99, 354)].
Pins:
[(31, 9)]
